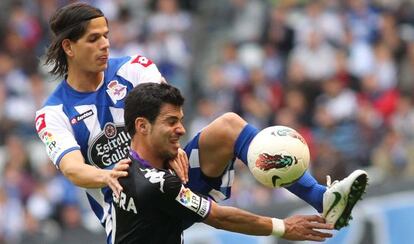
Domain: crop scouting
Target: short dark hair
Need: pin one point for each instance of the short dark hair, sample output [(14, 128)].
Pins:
[(69, 22), (146, 99)]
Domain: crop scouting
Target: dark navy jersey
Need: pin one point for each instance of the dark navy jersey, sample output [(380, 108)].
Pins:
[(154, 206)]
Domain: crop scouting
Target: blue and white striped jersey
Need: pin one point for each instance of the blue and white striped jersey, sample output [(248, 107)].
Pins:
[(93, 122)]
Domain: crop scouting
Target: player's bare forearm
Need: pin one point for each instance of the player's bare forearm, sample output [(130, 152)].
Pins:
[(81, 174), (298, 227), (237, 220)]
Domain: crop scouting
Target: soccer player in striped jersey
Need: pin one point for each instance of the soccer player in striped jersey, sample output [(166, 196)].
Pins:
[(82, 126)]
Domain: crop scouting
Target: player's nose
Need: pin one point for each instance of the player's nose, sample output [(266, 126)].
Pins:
[(105, 43), (180, 129)]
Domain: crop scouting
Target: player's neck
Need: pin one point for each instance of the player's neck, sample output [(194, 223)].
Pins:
[(84, 81), (146, 154)]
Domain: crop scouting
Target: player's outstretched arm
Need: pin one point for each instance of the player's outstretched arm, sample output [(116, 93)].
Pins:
[(73, 166), (298, 227)]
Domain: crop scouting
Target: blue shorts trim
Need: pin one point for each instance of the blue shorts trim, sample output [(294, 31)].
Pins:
[(216, 188)]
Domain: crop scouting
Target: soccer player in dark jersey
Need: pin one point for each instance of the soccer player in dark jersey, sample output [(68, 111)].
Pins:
[(155, 207), (82, 125)]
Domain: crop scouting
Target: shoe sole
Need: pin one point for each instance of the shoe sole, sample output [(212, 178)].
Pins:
[(355, 194)]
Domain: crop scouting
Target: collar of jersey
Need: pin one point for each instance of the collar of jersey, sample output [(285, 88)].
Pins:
[(134, 155), (78, 93)]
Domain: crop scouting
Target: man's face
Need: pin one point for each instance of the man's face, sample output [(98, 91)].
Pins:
[(167, 130), (91, 51)]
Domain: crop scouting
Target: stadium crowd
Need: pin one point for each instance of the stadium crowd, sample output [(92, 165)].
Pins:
[(340, 72)]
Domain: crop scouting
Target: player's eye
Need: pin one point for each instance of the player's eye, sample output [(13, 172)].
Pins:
[(93, 39), (172, 121)]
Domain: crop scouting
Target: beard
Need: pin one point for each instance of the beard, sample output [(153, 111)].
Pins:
[(167, 155)]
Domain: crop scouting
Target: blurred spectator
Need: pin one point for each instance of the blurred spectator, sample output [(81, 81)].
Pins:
[(273, 64), (328, 161), (362, 21), (406, 72), (234, 73), (248, 20), (382, 101), (168, 41), (18, 173), (278, 33), (393, 157), (317, 17), (205, 114), (70, 216), (384, 67), (11, 217), (316, 49), (402, 121), (218, 90), (339, 101), (257, 100)]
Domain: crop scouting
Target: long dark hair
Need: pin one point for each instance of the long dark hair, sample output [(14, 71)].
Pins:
[(69, 22)]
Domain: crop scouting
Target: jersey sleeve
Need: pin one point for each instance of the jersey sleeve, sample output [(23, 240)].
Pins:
[(140, 69), (180, 202), (55, 131)]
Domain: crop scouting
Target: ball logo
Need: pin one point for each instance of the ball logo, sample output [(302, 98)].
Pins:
[(288, 132), (266, 161)]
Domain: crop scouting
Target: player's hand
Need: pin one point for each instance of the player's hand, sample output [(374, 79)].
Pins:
[(180, 165), (119, 170), (306, 227)]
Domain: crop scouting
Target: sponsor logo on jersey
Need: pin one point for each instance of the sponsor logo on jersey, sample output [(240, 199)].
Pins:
[(50, 142), (193, 202), (110, 146), (142, 61), (125, 202), (154, 176), (81, 116), (116, 91), (40, 123)]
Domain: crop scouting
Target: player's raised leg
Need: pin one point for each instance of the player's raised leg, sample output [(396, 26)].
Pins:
[(229, 136), (217, 143)]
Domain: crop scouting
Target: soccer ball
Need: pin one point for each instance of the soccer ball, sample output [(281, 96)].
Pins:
[(278, 156)]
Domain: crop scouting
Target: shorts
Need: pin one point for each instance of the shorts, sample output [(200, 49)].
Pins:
[(218, 188)]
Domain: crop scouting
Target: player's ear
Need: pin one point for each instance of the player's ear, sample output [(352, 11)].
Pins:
[(67, 47), (141, 125)]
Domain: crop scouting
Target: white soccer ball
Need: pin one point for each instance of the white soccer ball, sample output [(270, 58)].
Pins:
[(278, 156)]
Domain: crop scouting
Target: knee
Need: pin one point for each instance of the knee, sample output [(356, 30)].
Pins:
[(231, 119), (230, 124)]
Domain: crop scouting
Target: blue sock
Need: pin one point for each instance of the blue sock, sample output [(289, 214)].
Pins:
[(306, 188), (243, 142), (309, 190)]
